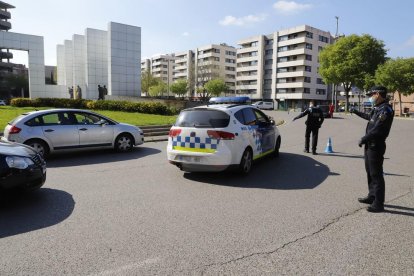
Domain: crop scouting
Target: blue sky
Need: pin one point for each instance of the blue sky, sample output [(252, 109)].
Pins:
[(178, 25)]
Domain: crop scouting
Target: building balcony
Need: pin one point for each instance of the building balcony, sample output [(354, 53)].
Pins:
[(298, 84), (247, 68), (299, 62), (291, 96), (297, 40), (247, 50), (4, 55), (293, 74), (295, 52), (246, 86), (4, 14), (4, 25), (247, 78)]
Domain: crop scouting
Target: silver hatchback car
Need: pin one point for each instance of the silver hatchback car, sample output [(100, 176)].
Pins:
[(56, 130)]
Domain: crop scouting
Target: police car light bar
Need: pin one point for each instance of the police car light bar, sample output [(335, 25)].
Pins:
[(230, 100)]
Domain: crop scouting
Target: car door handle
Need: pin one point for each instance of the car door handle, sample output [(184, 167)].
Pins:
[(83, 129), (49, 130)]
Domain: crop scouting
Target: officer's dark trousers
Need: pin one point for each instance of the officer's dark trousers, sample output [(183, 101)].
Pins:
[(314, 131), (374, 159)]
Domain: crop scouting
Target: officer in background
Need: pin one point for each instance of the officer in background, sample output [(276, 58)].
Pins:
[(379, 124), (313, 123)]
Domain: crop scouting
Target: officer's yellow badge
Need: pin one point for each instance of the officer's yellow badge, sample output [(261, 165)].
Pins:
[(382, 117)]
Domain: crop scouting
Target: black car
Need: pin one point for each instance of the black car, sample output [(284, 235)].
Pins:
[(21, 167)]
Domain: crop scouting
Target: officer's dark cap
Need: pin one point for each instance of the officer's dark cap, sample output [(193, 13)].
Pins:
[(382, 90)]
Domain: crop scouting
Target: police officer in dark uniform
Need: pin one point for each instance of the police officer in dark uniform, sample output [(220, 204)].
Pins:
[(313, 123), (379, 124)]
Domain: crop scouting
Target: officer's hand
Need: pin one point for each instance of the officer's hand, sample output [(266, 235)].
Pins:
[(360, 143)]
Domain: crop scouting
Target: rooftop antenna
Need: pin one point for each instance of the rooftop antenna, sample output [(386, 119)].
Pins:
[(337, 24)]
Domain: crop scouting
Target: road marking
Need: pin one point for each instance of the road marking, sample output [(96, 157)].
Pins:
[(129, 267)]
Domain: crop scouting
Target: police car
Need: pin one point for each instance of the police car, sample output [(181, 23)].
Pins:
[(221, 136)]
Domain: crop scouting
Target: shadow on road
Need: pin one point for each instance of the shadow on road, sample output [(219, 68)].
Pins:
[(97, 157), (340, 154), (288, 172), (32, 211)]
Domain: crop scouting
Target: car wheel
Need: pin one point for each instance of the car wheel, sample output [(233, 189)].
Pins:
[(246, 162), (40, 146), (277, 148), (124, 142)]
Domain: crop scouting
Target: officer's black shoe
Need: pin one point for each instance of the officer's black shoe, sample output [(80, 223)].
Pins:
[(314, 153), (366, 200), (306, 150), (375, 208)]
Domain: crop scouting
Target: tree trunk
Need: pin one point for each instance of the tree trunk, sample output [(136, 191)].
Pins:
[(399, 96)]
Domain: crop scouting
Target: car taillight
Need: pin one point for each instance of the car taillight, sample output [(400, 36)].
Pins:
[(174, 132), (224, 135), (14, 130)]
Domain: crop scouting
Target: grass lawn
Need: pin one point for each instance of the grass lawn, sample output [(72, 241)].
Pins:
[(7, 113)]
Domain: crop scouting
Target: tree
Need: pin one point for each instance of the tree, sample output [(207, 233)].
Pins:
[(158, 89), (397, 75), (16, 83), (215, 87), (148, 80), (205, 72), (351, 61), (179, 87)]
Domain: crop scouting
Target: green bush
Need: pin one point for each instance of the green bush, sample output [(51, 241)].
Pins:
[(140, 107)]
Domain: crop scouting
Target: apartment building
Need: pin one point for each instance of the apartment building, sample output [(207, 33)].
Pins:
[(160, 66), (216, 61), (283, 66)]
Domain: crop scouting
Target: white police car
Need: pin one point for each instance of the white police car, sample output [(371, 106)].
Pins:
[(220, 136)]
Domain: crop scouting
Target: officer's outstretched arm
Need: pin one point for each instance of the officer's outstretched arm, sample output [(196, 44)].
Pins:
[(304, 113), (380, 129), (362, 115)]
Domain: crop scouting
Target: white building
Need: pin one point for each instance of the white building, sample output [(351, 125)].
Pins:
[(160, 66), (99, 57), (283, 66)]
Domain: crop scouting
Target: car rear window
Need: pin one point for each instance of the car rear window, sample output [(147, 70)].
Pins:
[(203, 118), (15, 120)]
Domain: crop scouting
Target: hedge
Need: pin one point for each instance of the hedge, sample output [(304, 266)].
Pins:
[(140, 107)]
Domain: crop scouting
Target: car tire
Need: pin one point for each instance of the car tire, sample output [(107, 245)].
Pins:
[(276, 153), (39, 145), (124, 142), (246, 162)]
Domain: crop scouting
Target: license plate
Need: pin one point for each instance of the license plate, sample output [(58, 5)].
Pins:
[(193, 159)]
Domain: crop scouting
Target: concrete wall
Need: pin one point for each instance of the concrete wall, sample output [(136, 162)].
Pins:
[(124, 69), (35, 47)]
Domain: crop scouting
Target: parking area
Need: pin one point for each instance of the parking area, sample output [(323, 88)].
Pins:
[(106, 213)]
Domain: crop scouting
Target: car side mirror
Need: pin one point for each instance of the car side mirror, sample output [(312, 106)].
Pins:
[(272, 122)]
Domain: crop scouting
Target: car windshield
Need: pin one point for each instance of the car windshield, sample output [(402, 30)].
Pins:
[(203, 118)]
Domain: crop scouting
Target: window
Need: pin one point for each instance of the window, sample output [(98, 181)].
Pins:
[(88, 119), (308, 68), (309, 34), (268, 81), (309, 46), (308, 57), (254, 44), (320, 91), (37, 121), (203, 119), (282, 59), (282, 49), (320, 48), (283, 38), (261, 118), (249, 116), (268, 72), (269, 52), (216, 51), (269, 62), (281, 90), (281, 80), (269, 42), (282, 70), (306, 90), (323, 39), (228, 60), (253, 63), (253, 54), (307, 79), (319, 81)]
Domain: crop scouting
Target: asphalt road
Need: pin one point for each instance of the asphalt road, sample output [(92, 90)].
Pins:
[(104, 213)]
